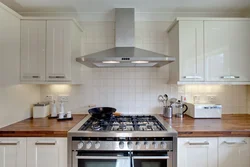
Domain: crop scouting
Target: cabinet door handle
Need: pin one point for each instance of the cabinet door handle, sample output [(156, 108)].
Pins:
[(34, 76), (57, 77), (8, 143), (198, 144), (232, 143), (230, 77), (44, 143), (192, 77)]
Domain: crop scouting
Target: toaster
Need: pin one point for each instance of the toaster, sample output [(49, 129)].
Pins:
[(204, 110)]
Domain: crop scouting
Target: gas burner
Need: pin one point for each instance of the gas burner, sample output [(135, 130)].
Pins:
[(123, 123), (96, 126)]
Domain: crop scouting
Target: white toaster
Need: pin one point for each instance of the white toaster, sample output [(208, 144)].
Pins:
[(204, 110)]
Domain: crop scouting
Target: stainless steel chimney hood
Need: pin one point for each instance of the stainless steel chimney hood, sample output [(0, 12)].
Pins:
[(125, 54)]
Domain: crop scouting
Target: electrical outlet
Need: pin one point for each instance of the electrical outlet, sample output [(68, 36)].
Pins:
[(49, 98), (63, 98), (211, 98), (196, 98)]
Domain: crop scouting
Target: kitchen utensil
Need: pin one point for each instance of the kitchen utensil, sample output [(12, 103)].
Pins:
[(172, 101), (163, 99), (181, 109), (168, 111), (102, 112)]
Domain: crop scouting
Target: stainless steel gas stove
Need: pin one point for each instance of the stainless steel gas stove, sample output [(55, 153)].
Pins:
[(122, 141)]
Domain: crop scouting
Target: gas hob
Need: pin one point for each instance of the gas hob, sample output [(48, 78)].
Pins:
[(123, 123)]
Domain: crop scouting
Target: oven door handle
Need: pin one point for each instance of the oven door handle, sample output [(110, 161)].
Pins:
[(150, 157), (101, 157)]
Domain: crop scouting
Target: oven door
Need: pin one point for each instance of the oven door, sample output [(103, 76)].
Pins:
[(149, 159), (101, 159)]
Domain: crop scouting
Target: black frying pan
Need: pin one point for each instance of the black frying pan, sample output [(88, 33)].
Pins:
[(102, 112)]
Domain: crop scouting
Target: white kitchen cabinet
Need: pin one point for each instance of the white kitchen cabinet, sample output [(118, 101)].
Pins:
[(227, 50), (186, 45), (33, 41), (234, 152), (12, 152), (49, 49), (49, 152), (200, 152), (58, 60)]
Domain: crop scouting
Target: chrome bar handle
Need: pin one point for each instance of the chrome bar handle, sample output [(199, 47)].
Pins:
[(44, 143), (192, 77), (151, 157), (232, 143), (8, 143), (33, 76), (230, 77), (57, 77), (101, 157), (198, 144)]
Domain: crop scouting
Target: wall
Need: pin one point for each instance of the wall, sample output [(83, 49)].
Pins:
[(135, 90), (15, 99)]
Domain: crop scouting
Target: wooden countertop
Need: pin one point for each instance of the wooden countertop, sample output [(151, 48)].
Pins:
[(229, 126), (42, 127)]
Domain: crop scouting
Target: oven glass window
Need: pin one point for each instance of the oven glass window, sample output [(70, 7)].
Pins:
[(150, 163), (103, 163)]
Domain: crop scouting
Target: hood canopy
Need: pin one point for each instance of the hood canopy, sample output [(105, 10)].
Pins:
[(125, 54)]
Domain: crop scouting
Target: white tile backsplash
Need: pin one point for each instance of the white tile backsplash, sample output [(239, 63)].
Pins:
[(135, 90)]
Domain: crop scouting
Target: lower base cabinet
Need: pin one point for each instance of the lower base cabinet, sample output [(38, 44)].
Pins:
[(197, 152), (214, 152), (46, 152), (33, 152), (12, 152), (234, 152)]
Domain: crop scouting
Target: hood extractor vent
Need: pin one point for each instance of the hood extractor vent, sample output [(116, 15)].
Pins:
[(125, 54)]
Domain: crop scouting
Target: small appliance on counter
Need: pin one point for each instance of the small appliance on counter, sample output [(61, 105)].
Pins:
[(204, 110), (41, 110)]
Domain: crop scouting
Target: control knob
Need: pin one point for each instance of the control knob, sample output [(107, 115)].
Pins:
[(155, 144), (80, 145), (163, 145), (88, 145), (138, 145), (97, 145), (130, 145), (146, 144), (121, 144)]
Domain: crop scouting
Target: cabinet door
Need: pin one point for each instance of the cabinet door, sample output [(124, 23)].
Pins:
[(234, 152), (49, 152), (227, 50), (200, 152), (191, 51), (58, 58), (33, 34), (12, 152)]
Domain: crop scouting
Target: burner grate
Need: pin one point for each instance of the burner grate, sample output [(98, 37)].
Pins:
[(123, 123)]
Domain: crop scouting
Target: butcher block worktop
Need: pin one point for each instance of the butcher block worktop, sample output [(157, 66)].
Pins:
[(42, 127), (229, 126)]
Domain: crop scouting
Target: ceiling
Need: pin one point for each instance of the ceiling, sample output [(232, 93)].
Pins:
[(103, 6)]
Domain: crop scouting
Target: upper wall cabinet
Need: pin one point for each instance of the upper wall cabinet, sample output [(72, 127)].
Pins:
[(210, 50), (49, 49), (227, 50), (33, 39), (186, 45)]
